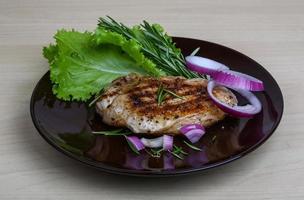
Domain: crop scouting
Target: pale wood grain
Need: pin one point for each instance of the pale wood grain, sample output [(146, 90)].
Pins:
[(271, 32)]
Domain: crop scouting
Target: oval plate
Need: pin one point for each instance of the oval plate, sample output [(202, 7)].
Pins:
[(68, 125)]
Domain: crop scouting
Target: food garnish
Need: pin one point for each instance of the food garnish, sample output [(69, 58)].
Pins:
[(79, 68), (81, 64), (204, 65), (192, 146), (162, 93), (168, 142), (155, 153), (155, 44), (248, 110), (113, 132), (178, 152), (222, 76), (153, 142), (156, 145), (213, 139), (237, 80), (193, 132), (135, 144), (97, 96)]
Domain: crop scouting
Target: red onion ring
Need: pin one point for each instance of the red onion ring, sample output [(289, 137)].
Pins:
[(204, 65), (136, 142), (193, 131), (221, 74), (233, 79), (168, 161), (167, 143), (164, 141), (194, 135), (152, 143), (239, 111), (189, 127)]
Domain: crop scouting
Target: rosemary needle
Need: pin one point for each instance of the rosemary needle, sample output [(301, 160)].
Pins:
[(173, 94), (192, 146), (162, 93)]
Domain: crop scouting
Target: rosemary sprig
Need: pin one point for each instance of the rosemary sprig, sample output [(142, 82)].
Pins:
[(192, 146), (195, 51), (156, 45), (178, 152), (176, 155), (97, 96), (213, 139), (162, 93), (117, 132), (156, 153), (173, 94), (94, 100)]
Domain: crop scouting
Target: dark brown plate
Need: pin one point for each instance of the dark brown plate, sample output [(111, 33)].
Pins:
[(68, 126)]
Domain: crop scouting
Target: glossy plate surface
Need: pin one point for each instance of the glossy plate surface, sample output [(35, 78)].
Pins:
[(68, 126)]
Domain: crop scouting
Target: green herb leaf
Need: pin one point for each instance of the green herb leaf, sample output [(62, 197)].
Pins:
[(176, 155), (173, 94), (162, 93), (154, 153), (94, 100), (131, 47), (213, 139), (192, 146), (179, 150), (157, 151), (117, 132), (80, 67), (195, 51)]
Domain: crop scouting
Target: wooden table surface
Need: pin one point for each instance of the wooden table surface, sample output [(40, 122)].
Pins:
[(271, 32)]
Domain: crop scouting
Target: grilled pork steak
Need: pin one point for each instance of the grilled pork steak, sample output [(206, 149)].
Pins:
[(131, 101)]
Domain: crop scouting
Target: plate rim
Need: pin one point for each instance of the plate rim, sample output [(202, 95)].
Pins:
[(166, 173)]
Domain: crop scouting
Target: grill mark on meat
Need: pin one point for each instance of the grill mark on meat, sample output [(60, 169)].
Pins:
[(152, 90), (150, 97), (180, 107), (149, 83)]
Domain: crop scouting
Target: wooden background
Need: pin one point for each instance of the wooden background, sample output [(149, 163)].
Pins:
[(271, 32)]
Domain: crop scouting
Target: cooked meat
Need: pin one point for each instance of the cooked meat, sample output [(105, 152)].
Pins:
[(131, 102)]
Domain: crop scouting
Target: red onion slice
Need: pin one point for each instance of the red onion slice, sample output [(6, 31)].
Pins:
[(204, 65), (239, 111), (221, 74), (153, 143), (233, 79), (189, 127), (167, 142), (136, 142), (194, 135), (168, 161)]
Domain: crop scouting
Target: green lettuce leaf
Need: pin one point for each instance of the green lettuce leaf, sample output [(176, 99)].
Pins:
[(81, 64), (131, 47)]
